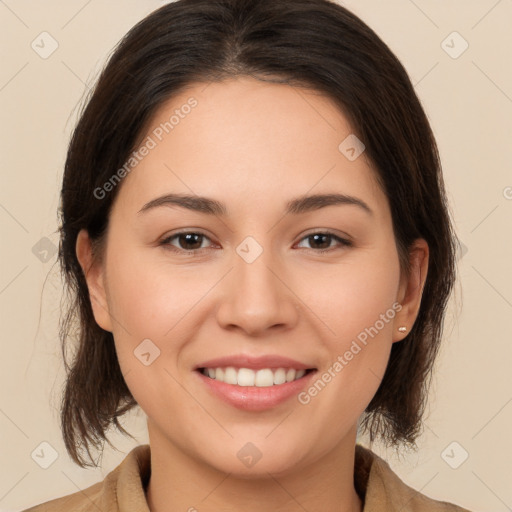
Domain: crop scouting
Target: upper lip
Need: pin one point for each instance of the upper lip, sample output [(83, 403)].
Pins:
[(254, 363)]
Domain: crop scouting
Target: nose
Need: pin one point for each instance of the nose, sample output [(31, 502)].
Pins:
[(258, 296)]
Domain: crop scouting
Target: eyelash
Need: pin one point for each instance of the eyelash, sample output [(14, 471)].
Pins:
[(166, 242)]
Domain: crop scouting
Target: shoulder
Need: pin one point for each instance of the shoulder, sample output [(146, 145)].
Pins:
[(385, 491), (124, 484), (80, 501)]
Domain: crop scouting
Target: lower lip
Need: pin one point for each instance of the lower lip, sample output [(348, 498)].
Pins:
[(253, 398)]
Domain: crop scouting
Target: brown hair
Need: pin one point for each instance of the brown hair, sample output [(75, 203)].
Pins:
[(311, 43)]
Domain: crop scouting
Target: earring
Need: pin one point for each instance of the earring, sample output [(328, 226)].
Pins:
[(403, 328)]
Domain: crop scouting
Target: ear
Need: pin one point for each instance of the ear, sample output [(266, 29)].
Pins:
[(411, 289), (94, 275)]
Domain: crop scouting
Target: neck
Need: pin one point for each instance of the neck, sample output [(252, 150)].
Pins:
[(181, 482)]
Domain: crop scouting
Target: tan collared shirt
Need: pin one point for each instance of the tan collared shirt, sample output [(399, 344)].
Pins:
[(123, 489)]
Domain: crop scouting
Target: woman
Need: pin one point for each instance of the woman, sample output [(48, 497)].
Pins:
[(257, 240)]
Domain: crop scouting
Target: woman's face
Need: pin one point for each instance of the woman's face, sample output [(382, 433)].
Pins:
[(250, 282)]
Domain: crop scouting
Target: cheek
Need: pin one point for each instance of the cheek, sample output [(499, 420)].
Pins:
[(150, 296), (350, 297), (152, 304), (358, 314)]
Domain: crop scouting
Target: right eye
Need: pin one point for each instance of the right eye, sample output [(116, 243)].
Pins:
[(187, 241)]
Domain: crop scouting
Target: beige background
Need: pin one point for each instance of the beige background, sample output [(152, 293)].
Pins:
[(469, 102)]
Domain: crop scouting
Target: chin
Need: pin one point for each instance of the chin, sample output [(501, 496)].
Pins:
[(252, 460)]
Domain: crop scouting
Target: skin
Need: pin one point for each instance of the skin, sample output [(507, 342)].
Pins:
[(253, 146)]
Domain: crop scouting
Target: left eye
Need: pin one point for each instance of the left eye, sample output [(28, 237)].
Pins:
[(191, 241), (324, 239)]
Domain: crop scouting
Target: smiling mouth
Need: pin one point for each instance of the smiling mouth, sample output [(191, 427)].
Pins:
[(264, 377)]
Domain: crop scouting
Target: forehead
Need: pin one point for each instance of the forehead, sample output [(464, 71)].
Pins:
[(247, 139)]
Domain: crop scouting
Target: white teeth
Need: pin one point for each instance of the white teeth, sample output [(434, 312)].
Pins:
[(246, 377), (230, 376), (290, 375), (280, 376), (264, 378), (260, 378)]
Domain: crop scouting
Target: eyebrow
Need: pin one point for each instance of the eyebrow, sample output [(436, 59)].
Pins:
[(295, 206)]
